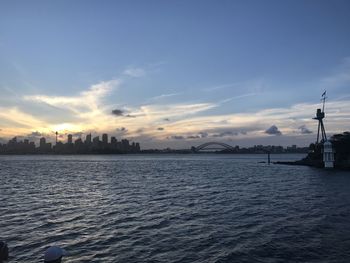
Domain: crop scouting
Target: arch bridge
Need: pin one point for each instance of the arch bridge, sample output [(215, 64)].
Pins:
[(213, 146)]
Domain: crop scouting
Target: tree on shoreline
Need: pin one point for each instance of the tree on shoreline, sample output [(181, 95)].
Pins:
[(341, 144)]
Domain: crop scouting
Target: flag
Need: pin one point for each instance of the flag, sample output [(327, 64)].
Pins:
[(324, 94)]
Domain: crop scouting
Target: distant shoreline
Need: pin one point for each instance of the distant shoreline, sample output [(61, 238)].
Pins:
[(149, 153)]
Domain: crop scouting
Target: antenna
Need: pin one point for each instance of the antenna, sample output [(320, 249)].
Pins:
[(323, 99)]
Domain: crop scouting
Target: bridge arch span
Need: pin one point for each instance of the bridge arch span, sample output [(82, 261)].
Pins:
[(208, 145)]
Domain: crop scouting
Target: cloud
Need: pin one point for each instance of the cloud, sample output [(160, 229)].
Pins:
[(118, 112), (304, 130), (122, 129), (218, 133), (193, 137), (224, 134), (134, 72), (203, 134), (89, 110), (177, 137), (78, 134), (273, 130), (239, 97), (163, 96), (242, 89), (198, 136), (87, 104), (216, 129), (167, 111), (219, 87), (35, 134), (18, 122)]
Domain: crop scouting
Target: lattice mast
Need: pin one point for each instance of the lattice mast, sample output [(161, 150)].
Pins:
[(320, 116)]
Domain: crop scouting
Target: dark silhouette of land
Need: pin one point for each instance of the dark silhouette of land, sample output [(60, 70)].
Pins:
[(341, 146), (104, 146), (89, 146), (256, 149)]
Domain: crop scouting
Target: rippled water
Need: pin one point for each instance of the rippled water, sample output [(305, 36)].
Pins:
[(173, 208)]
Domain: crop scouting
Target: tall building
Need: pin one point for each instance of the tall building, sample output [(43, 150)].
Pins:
[(105, 139), (48, 146), (70, 138), (42, 142), (78, 142), (137, 147), (125, 145), (88, 139), (13, 141), (96, 141)]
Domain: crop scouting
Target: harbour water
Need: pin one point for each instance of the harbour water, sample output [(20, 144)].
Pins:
[(173, 208)]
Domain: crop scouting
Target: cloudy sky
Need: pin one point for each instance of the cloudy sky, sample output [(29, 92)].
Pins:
[(174, 73)]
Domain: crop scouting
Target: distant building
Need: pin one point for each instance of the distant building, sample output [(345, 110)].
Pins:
[(96, 141), (59, 147), (78, 142), (114, 143), (125, 145), (88, 139), (12, 142), (42, 142), (13, 146), (43, 146), (105, 139), (137, 146)]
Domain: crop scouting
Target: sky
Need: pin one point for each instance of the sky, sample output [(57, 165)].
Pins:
[(174, 73)]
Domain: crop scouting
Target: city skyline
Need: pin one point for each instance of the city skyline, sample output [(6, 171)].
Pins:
[(111, 145), (174, 74), (91, 145)]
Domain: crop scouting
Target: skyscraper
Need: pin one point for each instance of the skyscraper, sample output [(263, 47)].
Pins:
[(137, 147), (105, 139), (96, 141), (42, 142), (88, 139), (70, 138)]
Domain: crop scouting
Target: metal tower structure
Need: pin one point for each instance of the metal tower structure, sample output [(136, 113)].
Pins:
[(320, 116)]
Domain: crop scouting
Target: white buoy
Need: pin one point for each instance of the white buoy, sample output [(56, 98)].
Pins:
[(328, 155)]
